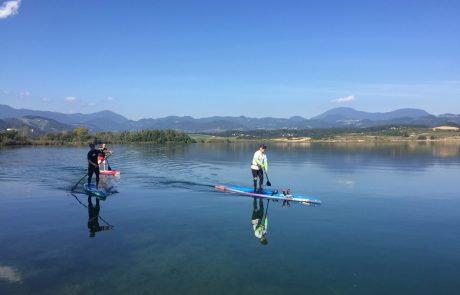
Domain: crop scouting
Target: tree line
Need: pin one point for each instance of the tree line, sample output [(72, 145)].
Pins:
[(81, 135)]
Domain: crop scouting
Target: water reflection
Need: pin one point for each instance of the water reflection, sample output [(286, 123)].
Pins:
[(336, 157), (94, 217), (259, 220)]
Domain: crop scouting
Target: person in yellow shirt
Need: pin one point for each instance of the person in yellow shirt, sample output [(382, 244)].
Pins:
[(258, 166)]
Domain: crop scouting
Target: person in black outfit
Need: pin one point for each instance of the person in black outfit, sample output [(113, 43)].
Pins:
[(93, 167)]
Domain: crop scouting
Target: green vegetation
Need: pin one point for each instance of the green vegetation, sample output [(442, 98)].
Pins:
[(12, 137), (144, 136), (381, 133), (81, 135), (207, 138)]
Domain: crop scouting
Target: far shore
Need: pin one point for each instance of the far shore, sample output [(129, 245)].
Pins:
[(351, 138), (369, 139), (408, 136)]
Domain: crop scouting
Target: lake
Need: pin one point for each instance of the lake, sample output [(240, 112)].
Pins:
[(389, 222)]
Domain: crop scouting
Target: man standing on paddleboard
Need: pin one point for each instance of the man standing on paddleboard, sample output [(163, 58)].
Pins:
[(258, 166), (93, 167)]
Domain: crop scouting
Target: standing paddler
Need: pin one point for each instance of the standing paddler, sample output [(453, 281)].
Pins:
[(258, 166), (103, 154), (93, 166)]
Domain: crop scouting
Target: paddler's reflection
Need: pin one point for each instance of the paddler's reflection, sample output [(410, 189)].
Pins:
[(260, 220), (93, 218)]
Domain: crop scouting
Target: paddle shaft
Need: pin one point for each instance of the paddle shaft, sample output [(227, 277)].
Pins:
[(266, 210), (265, 222), (108, 165), (268, 180), (75, 185)]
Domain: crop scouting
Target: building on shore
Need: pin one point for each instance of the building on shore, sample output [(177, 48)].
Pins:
[(445, 128)]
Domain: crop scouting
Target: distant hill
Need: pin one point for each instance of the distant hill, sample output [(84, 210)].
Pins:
[(110, 121), (105, 120), (217, 124), (36, 125), (342, 114)]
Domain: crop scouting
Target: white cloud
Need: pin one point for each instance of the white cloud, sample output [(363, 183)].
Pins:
[(109, 98), (45, 99), (9, 8), (349, 98), (70, 98), (10, 274), (25, 93)]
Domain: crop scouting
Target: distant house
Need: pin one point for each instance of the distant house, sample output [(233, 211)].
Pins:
[(445, 128)]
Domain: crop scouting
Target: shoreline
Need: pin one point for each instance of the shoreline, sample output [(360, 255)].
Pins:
[(202, 138)]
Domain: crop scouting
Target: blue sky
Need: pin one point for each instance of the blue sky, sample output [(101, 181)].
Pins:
[(255, 58)]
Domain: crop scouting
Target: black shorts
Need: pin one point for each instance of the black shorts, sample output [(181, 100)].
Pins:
[(257, 173)]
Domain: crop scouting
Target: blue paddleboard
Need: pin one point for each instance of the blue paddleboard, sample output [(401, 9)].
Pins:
[(268, 194), (93, 191)]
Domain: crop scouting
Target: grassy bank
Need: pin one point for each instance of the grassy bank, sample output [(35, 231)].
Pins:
[(380, 134)]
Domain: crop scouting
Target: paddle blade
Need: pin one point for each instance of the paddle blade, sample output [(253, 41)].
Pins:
[(269, 183)]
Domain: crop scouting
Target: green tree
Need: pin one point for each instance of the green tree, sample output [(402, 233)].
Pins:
[(81, 134)]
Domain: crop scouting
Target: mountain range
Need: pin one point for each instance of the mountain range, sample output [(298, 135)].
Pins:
[(46, 121)]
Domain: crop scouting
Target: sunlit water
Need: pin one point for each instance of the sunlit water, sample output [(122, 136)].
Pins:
[(389, 222)]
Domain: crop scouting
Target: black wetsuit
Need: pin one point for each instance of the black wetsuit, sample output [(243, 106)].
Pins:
[(92, 156)]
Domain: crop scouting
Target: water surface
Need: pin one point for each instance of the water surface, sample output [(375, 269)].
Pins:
[(389, 222)]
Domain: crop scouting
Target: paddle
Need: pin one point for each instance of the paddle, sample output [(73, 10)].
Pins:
[(75, 185), (266, 217), (86, 174), (268, 181), (108, 165)]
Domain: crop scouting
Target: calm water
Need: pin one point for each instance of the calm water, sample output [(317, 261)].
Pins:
[(389, 223)]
